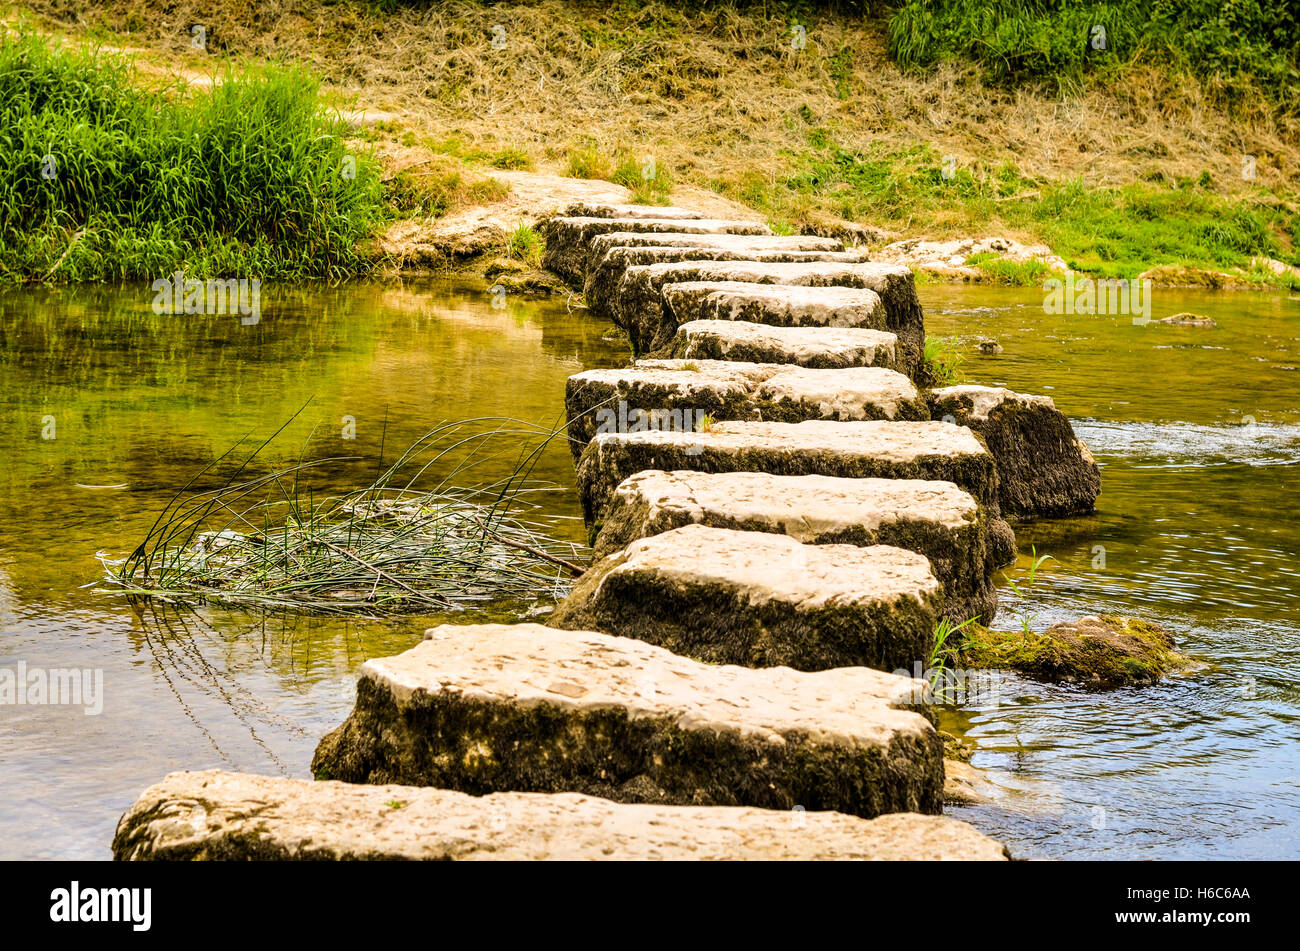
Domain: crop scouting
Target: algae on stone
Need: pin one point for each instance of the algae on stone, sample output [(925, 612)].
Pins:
[(1101, 651), (762, 600)]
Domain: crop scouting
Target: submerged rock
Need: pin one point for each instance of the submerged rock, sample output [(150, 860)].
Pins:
[(1043, 470), (651, 324), (762, 600), (1098, 651), (494, 708), (605, 272), (684, 395), (568, 239), (935, 519), (1188, 320), (216, 815), (887, 450), (818, 348)]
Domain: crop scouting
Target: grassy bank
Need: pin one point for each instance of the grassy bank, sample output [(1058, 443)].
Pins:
[(106, 177), (1177, 144)]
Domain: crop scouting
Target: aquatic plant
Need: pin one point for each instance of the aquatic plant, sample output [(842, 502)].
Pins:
[(944, 649), (394, 545), (1022, 589), (939, 363)]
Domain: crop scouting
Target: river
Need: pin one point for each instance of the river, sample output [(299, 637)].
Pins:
[(106, 410)]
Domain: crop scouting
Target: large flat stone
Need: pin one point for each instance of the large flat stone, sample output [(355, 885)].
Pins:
[(888, 450), (217, 815), (600, 209), (601, 244), (682, 394), (763, 600), (568, 239), (1043, 469), (605, 271), (650, 324), (935, 519), (525, 708), (818, 348)]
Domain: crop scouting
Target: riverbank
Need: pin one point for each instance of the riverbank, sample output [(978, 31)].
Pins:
[(1117, 175)]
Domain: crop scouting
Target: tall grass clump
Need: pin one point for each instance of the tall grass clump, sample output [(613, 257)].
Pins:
[(1243, 45), (408, 541), (103, 178)]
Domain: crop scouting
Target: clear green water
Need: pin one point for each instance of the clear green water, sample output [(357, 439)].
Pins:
[(1197, 521)]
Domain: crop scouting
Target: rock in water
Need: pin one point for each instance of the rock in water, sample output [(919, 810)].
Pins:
[(525, 708), (651, 320), (605, 272), (216, 815), (568, 239), (885, 450), (818, 348), (763, 600), (683, 395), (1043, 470), (1097, 651), (936, 519)]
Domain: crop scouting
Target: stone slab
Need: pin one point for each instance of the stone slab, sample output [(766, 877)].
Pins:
[(524, 708)]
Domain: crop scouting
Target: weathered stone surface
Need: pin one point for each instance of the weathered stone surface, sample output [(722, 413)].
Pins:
[(1043, 470), (218, 815), (568, 239), (775, 305), (936, 519), (601, 244), (887, 450), (820, 348), (762, 600), (598, 209), (605, 272), (681, 394), (525, 708), (1097, 651), (650, 324)]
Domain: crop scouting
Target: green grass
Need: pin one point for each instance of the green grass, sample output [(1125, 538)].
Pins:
[(525, 244), (1109, 232), (105, 179), (940, 362), (1000, 270), (1244, 45)]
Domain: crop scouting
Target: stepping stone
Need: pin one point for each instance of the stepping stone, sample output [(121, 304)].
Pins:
[(763, 600), (935, 519), (567, 239), (1043, 469), (205, 816), (819, 348), (601, 244), (683, 394), (650, 323), (887, 450), (605, 268), (595, 209), (524, 708)]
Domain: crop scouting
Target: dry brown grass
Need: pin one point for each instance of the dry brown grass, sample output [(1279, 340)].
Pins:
[(714, 94)]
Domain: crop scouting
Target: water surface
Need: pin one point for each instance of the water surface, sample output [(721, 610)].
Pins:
[(1198, 432)]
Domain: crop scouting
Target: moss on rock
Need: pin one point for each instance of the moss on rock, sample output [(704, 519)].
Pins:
[(1102, 651)]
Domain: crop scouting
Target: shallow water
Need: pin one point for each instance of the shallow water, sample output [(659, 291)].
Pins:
[(1196, 522), (1198, 434)]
